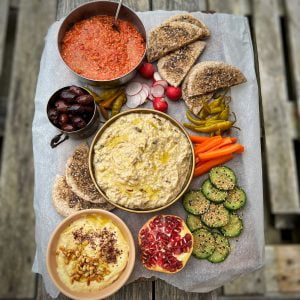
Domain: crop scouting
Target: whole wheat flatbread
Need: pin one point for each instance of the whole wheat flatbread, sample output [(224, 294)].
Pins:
[(170, 37), (174, 66), (188, 18), (209, 76), (78, 176), (193, 103), (67, 203)]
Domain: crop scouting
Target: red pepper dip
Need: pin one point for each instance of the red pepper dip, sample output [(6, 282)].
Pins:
[(93, 49)]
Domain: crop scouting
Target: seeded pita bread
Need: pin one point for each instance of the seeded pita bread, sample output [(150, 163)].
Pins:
[(193, 103), (170, 37), (174, 66), (209, 76), (67, 203), (78, 176), (188, 18)]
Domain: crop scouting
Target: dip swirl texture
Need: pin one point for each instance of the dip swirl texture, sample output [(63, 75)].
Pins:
[(142, 161)]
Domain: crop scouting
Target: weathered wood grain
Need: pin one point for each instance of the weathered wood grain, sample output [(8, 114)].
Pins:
[(236, 7), (277, 124), (293, 12), (165, 291), (4, 10), (16, 183), (192, 5), (65, 6)]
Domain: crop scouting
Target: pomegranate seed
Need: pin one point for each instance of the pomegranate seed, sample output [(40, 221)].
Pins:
[(188, 237), (177, 251), (189, 244)]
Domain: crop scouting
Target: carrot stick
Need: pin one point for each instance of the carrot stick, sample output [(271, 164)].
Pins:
[(205, 167), (208, 144), (220, 152), (225, 141), (241, 150), (233, 139), (198, 139)]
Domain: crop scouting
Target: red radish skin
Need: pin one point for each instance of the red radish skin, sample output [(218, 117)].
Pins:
[(165, 244), (162, 83), (160, 104), (173, 93), (147, 70)]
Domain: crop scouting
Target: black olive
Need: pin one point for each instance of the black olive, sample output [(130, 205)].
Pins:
[(67, 95), (76, 90), (67, 127), (85, 99), (61, 106), (78, 122), (76, 108), (53, 114), (63, 119)]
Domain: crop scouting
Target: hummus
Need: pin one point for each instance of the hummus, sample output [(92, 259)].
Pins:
[(91, 254), (142, 161)]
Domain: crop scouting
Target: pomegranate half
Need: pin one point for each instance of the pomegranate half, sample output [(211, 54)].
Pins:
[(165, 244)]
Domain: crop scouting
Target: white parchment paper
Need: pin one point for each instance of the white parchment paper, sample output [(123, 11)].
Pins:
[(230, 41)]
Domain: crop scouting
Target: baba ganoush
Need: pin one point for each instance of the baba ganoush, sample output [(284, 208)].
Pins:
[(91, 253), (142, 161)]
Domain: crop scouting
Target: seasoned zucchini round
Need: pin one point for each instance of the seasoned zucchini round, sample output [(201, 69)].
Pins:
[(222, 249), (222, 178), (195, 202), (204, 243), (236, 199), (216, 216), (194, 222), (211, 193), (234, 226)]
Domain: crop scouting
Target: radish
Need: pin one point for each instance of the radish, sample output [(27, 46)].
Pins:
[(144, 94), (162, 83), (146, 87), (160, 104), (133, 88), (156, 76), (147, 70), (173, 93), (157, 91), (134, 101)]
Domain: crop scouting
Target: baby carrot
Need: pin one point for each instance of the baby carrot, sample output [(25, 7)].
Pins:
[(208, 144), (198, 139), (220, 152), (206, 166), (225, 141)]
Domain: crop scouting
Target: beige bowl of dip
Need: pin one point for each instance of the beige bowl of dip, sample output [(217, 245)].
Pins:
[(94, 166), (53, 262)]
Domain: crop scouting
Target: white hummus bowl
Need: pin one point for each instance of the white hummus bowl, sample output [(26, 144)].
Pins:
[(143, 111)]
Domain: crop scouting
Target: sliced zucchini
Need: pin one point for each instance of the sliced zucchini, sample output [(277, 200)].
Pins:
[(211, 193), (195, 202), (222, 249), (216, 216), (194, 222), (234, 226), (204, 243), (222, 178), (236, 199)]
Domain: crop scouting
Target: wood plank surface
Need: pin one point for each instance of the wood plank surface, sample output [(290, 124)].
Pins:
[(236, 7), (281, 162), (191, 5), (17, 244), (4, 11), (293, 13)]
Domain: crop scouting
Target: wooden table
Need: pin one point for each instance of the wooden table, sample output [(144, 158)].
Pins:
[(275, 27)]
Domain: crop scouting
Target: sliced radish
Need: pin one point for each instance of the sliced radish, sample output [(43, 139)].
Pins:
[(133, 88), (161, 82), (133, 101), (150, 97), (144, 94), (157, 91), (146, 87), (156, 76)]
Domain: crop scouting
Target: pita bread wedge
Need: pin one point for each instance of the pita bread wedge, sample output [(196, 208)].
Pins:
[(174, 66), (170, 37), (188, 18), (78, 176), (66, 202), (210, 76), (194, 103)]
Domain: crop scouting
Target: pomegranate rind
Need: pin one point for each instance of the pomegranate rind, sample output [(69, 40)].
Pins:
[(184, 257)]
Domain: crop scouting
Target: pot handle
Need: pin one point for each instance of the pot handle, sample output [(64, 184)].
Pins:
[(57, 140)]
